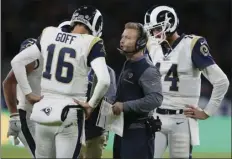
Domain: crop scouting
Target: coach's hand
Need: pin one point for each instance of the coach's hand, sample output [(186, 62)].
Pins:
[(117, 108), (33, 98), (195, 112), (87, 108)]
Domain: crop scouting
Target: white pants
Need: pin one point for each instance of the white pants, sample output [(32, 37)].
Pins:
[(26, 135), (61, 141), (175, 134)]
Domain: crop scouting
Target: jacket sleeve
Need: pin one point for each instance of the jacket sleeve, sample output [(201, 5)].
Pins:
[(150, 82)]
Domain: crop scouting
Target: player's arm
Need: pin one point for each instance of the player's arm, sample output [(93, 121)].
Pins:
[(19, 63), (9, 91), (96, 60), (9, 88), (203, 60), (110, 95), (220, 84)]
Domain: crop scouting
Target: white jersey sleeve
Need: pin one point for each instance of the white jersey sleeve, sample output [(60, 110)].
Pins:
[(103, 80), (34, 79), (220, 86), (18, 64), (96, 59)]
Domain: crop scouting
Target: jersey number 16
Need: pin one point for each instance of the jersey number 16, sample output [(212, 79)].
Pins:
[(60, 64)]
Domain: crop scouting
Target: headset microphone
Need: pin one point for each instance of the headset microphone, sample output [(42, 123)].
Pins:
[(125, 52)]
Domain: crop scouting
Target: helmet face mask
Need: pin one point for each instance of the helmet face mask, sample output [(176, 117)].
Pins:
[(160, 22), (158, 32), (89, 16)]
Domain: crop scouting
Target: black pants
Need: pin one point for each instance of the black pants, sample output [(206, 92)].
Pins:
[(135, 144), (117, 147), (25, 130)]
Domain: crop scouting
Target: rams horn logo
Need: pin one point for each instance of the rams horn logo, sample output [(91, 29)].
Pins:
[(47, 110), (204, 50)]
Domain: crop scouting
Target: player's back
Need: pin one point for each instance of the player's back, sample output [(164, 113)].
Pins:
[(65, 55)]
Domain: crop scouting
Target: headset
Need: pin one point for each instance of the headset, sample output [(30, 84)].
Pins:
[(143, 38), (140, 42)]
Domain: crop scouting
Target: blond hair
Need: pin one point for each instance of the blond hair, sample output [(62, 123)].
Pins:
[(133, 25)]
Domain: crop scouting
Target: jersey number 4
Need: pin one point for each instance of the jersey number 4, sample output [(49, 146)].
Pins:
[(60, 64), (171, 76)]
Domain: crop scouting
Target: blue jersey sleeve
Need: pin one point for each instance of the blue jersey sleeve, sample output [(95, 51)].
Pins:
[(98, 50), (201, 54), (90, 83), (26, 43)]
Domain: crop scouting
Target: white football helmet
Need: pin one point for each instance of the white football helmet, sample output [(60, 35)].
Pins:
[(160, 21), (91, 17)]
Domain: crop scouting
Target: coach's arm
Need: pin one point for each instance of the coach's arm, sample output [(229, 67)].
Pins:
[(150, 82)]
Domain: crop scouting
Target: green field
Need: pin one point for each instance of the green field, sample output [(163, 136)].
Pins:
[(16, 152), (215, 137)]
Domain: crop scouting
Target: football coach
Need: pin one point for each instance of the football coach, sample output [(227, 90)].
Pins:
[(138, 94)]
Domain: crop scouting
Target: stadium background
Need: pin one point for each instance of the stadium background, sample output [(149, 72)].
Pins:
[(208, 18)]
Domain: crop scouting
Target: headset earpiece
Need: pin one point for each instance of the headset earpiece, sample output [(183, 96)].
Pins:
[(143, 38)]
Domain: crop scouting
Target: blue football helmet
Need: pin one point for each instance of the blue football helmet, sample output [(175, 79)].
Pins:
[(65, 26), (26, 43), (91, 17)]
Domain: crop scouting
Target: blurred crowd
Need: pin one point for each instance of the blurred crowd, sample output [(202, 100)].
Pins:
[(209, 18)]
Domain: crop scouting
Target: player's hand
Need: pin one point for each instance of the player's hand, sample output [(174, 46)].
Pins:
[(87, 108), (14, 127), (195, 112), (33, 98), (117, 108)]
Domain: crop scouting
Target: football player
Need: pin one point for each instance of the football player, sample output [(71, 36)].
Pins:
[(20, 125), (181, 60), (96, 137), (68, 58)]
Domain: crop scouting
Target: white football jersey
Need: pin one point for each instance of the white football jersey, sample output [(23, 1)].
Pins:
[(34, 79), (65, 70), (181, 80)]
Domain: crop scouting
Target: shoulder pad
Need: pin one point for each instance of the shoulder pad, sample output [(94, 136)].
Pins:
[(94, 41), (194, 40), (44, 30)]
